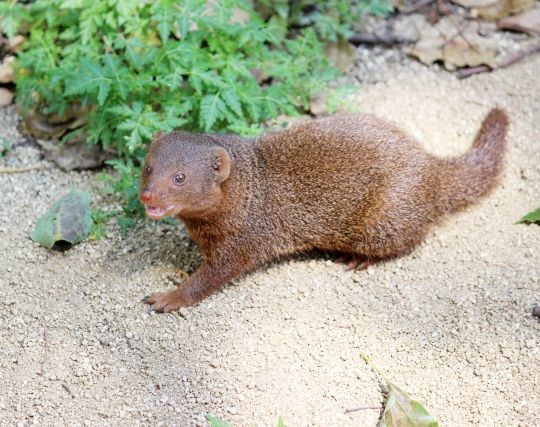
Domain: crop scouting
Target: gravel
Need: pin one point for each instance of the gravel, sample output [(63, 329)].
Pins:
[(450, 322)]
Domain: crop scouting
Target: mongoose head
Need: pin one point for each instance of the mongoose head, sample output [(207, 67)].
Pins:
[(183, 175)]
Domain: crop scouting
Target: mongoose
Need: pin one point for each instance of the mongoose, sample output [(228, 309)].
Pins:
[(350, 184)]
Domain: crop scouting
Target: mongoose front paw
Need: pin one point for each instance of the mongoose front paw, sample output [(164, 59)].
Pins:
[(165, 302)]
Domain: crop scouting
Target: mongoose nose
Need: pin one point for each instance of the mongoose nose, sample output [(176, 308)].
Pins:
[(146, 196)]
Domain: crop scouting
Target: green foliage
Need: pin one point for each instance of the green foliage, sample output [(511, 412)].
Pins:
[(100, 221), (69, 220), (330, 19), (5, 146), (216, 422), (138, 67), (532, 217)]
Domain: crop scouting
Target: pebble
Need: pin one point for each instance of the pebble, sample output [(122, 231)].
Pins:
[(530, 343)]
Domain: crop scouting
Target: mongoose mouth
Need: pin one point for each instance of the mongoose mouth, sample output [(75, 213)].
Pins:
[(158, 212)]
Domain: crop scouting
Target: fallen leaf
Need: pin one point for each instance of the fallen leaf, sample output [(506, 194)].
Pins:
[(318, 103), (216, 422), (340, 54), (16, 42), (532, 217), (428, 49), (6, 96), (6, 70), (455, 46), (75, 155), (502, 8), (400, 410), (475, 3), (259, 74), (527, 22), (72, 152), (459, 53), (239, 16), (68, 220), (53, 126)]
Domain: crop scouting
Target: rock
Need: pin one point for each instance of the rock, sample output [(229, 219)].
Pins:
[(6, 70), (530, 343), (6, 97), (340, 54)]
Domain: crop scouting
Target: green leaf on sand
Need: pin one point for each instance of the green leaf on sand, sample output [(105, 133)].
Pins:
[(216, 422), (532, 217), (69, 219), (400, 410)]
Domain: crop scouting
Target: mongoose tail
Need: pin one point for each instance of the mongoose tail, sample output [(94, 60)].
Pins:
[(465, 179)]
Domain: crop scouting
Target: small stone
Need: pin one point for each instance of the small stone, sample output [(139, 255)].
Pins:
[(6, 96), (536, 311), (530, 343)]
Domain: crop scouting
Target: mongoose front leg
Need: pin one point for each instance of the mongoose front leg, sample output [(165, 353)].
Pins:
[(209, 277)]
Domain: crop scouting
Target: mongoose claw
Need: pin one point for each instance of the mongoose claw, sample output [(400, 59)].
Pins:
[(358, 263), (165, 302), (355, 262)]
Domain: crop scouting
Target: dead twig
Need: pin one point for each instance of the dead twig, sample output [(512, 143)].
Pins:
[(416, 6), (466, 72), (66, 388), (45, 356), (361, 408), (459, 30), (7, 170), (389, 39)]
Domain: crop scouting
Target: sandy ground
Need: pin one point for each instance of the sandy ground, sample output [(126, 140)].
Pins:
[(451, 322)]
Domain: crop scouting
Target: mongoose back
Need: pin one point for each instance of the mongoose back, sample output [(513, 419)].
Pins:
[(351, 184)]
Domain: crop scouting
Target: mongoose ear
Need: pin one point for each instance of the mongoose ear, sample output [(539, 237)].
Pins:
[(221, 163)]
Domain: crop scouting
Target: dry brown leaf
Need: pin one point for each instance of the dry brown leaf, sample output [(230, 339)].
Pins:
[(495, 9), (453, 45), (6, 96), (259, 74), (458, 53), (49, 129), (74, 156), (341, 54), (470, 4), (53, 126), (318, 104), (16, 42), (428, 49), (6, 70), (504, 8), (527, 22), (239, 16)]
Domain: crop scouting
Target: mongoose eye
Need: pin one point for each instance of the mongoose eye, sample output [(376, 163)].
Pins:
[(147, 169), (179, 178)]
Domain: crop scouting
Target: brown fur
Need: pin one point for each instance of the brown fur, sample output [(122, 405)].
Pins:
[(354, 184)]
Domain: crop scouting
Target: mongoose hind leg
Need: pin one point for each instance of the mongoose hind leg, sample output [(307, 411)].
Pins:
[(356, 261)]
